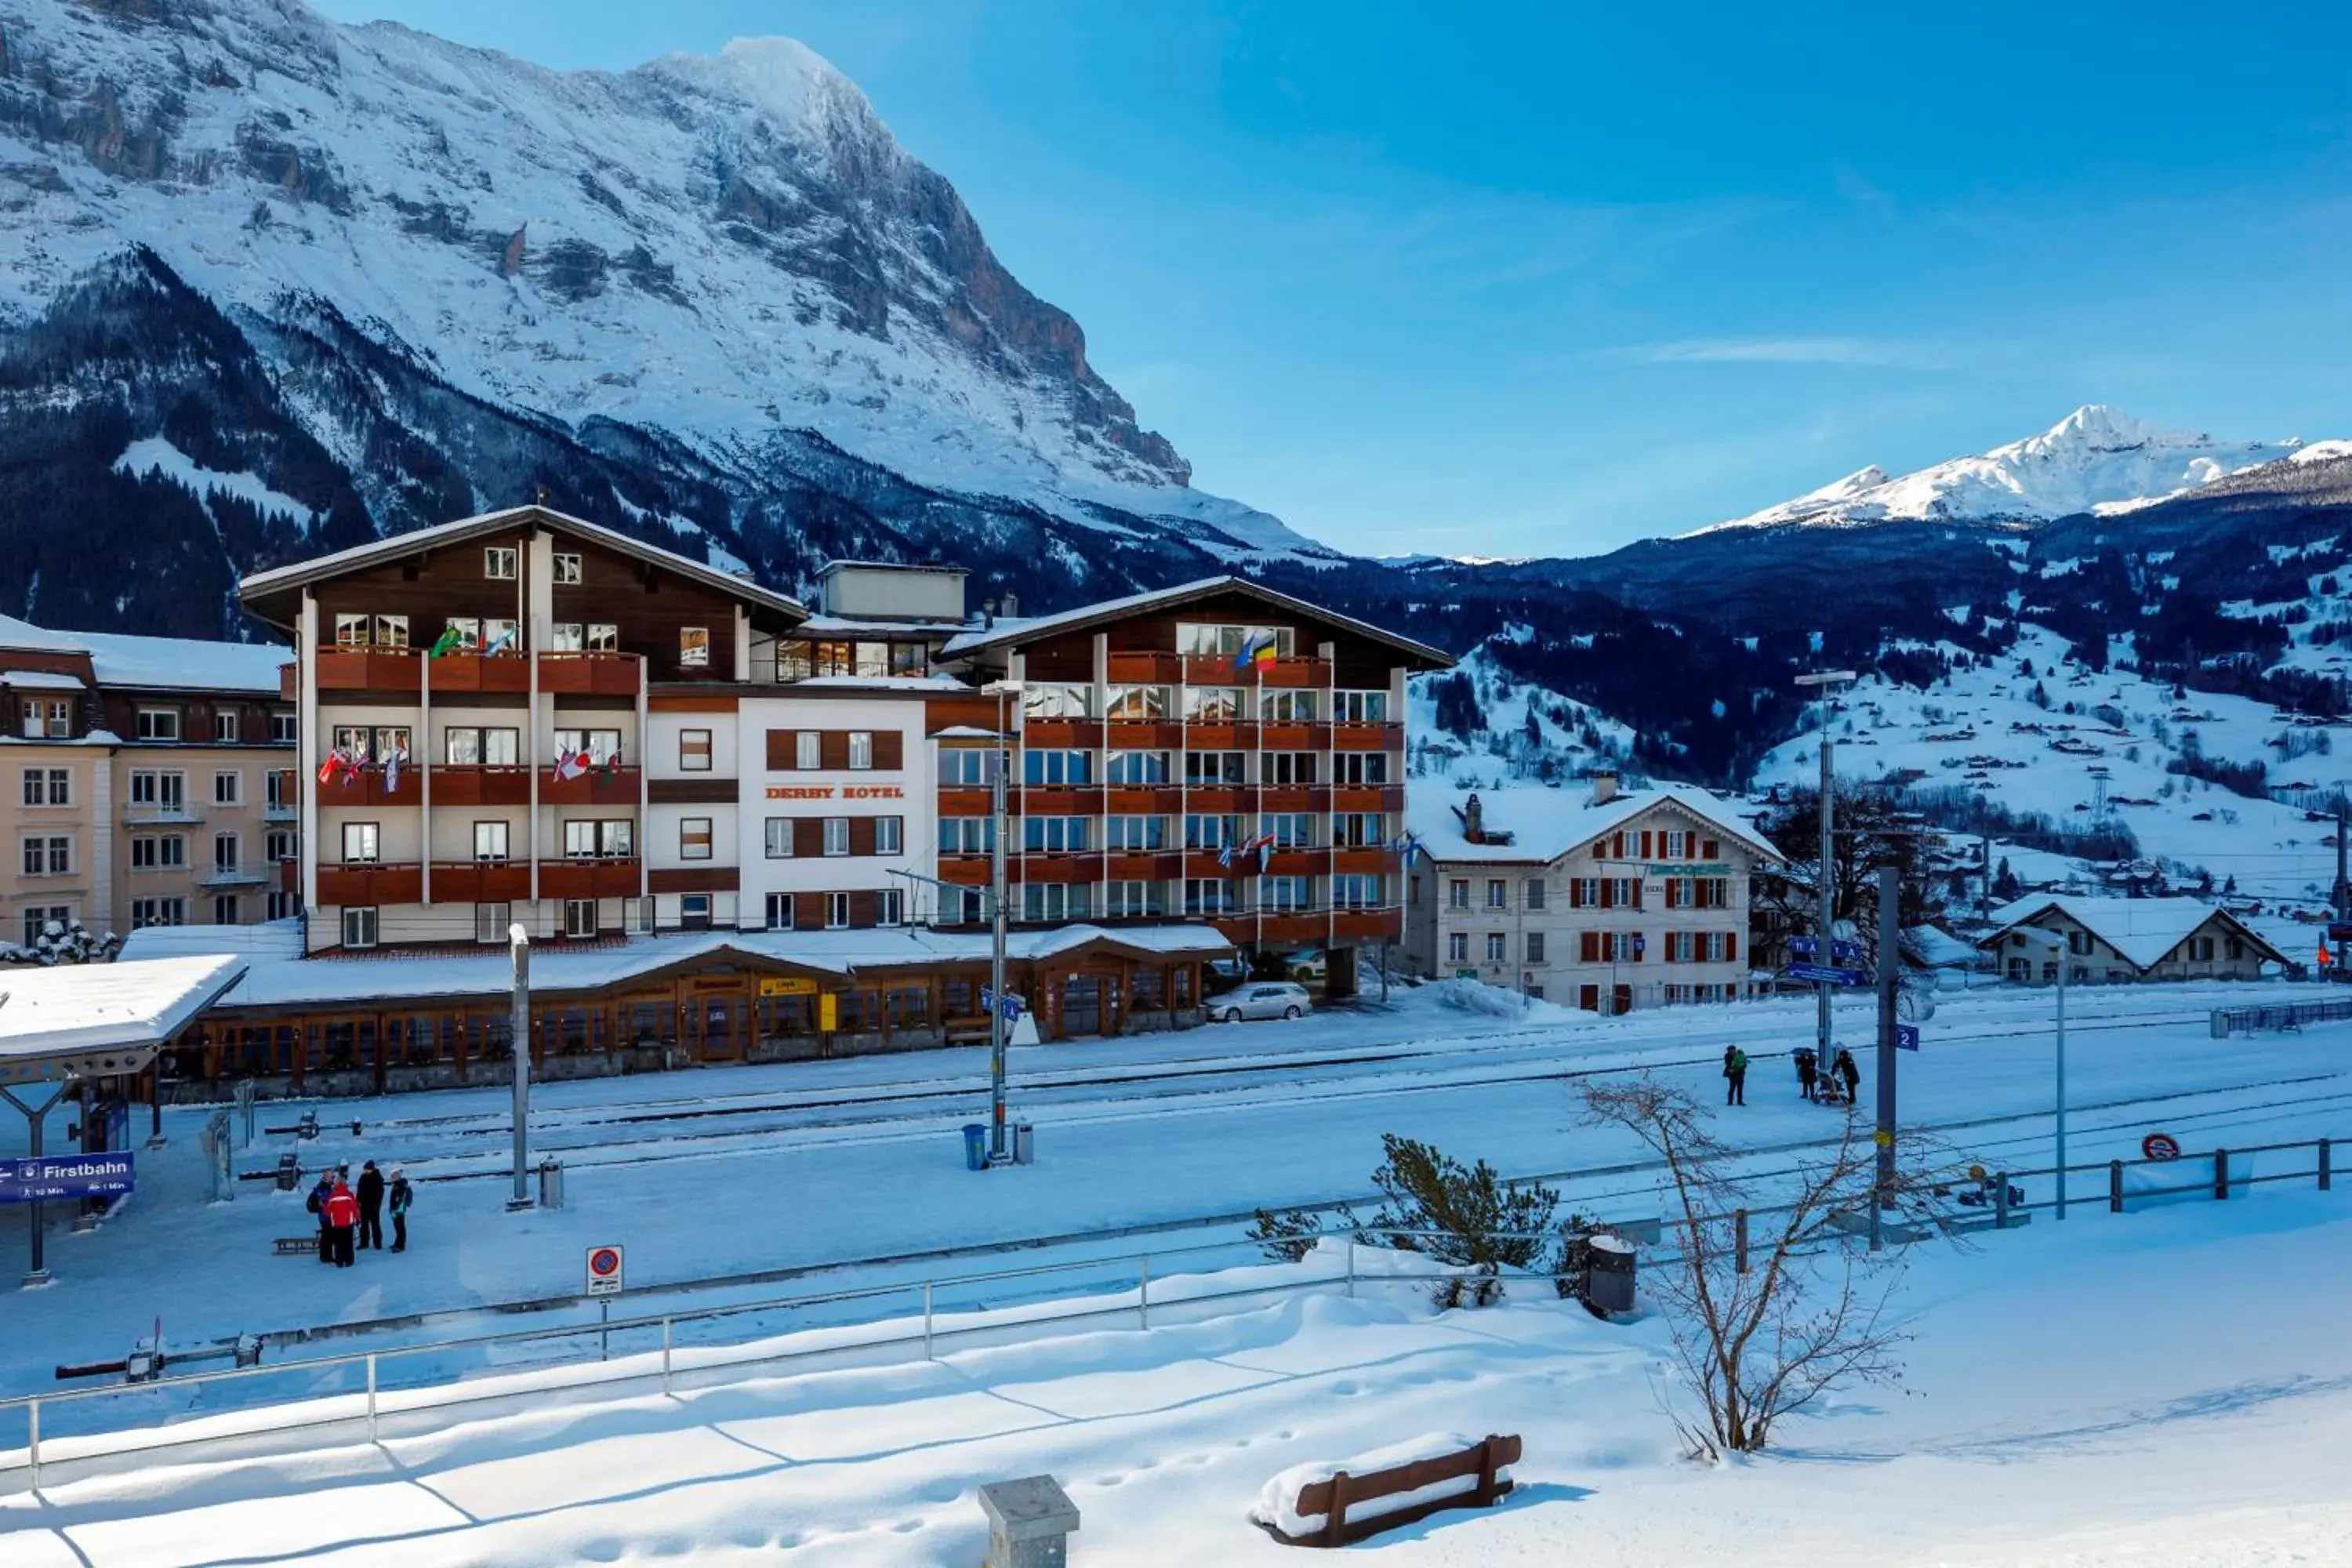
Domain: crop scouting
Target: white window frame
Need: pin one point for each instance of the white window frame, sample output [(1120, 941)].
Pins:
[(808, 750), (837, 911), (779, 832), (580, 919), (686, 759), (159, 723), (499, 563), (360, 926), (228, 788), (890, 836), (685, 847), (567, 568), (491, 922), (226, 725), (861, 750), (836, 836)]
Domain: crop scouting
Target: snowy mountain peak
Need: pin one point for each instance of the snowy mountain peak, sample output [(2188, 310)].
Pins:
[(2097, 460)]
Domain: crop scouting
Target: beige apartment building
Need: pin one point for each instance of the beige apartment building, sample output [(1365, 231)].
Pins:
[(146, 781)]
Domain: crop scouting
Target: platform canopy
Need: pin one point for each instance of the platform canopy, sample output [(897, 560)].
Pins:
[(98, 1020)]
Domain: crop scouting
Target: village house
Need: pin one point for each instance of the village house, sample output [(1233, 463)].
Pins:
[(2117, 940)]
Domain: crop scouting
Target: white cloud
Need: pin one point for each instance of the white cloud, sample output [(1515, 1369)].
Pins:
[(1887, 352)]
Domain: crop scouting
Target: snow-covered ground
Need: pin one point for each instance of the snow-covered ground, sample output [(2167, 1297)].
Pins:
[(1981, 728), (2157, 1387)]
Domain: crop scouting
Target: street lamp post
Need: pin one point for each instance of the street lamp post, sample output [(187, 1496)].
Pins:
[(1826, 952), (518, 948), (2052, 942)]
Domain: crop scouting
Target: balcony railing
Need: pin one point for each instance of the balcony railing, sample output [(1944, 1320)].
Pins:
[(180, 814), (586, 877), (597, 786), (590, 674), (219, 875), (470, 672), (368, 669), (367, 786), (479, 882), (480, 783), (372, 882)]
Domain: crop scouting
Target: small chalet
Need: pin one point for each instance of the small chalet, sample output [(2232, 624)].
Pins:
[(2117, 940)]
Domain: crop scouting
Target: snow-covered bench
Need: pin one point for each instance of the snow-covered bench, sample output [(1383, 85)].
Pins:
[(1336, 1503)]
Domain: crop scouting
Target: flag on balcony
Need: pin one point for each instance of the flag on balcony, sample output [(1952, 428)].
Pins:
[(450, 640), (611, 767), (391, 766), (331, 767), (570, 764), (1259, 648), (1225, 856), (1264, 847), (1406, 847), (501, 642)]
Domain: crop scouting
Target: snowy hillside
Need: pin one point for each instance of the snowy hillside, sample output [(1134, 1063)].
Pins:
[(2038, 736), (2096, 460), (1480, 724)]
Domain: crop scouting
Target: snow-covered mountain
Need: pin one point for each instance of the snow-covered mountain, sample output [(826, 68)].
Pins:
[(2097, 460), (702, 285)]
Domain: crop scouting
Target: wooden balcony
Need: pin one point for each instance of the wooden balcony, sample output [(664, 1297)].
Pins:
[(1150, 866), (367, 669), (1288, 797), (1313, 674), (1082, 866), (480, 882), (590, 674), (366, 787), (1296, 863), (696, 879), (1280, 926), (1215, 671), (596, 787), (955, 801), (1203, 863), (964, 870), (1294, 736), (1362, 862), (1368, 737), (479, 784), (379, 882), (1222, 736), (464, 673), (588, 877), (1146, 668), (1153, 800), (1057, 800), (1143, 734), (1222, 799), (1368, 925), (1062, 734), (1367, 797)]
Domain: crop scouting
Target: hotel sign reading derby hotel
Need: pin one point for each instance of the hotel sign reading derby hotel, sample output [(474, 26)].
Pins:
[(829, 791)]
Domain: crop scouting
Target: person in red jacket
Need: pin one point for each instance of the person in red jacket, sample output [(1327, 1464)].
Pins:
[(342, 1212)]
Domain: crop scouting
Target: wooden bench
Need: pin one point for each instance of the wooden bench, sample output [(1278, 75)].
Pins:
[(973, 1031), (1332, 1497), (295, 1246)]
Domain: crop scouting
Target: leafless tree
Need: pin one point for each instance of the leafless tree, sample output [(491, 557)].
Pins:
[(1807, 1305)]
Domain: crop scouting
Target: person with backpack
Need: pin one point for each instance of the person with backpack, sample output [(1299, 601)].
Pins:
[(1735, 1075), (342, 1212), (1849, 1073), (370, 1196), (316, 1205), (1809, 1071), (401, 1195)]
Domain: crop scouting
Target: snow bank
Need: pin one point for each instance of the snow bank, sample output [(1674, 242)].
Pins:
[(1277, 1500)]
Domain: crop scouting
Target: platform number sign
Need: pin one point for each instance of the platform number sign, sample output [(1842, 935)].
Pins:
[(604, 1271)]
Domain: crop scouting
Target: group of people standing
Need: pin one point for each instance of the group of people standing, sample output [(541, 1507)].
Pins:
[(1811, 1082), (351, 1217)]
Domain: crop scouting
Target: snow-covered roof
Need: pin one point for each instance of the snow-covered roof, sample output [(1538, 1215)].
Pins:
[(823, 625), (319, 567), (1546, 824), (277, 975), (184, 664), (44, 681), (1008, 632), (2142, 929), (73, 1009), (1939, 949), (23, 636)]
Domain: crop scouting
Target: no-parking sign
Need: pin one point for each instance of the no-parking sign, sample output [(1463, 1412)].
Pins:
[(2159, 1146), (604, 1271)]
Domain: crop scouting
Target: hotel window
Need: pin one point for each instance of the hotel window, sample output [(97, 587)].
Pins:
[(163, 791), (278, 845), (1211, 832), (872, 660), (150, 853), (1131, 901), (861, 750), (600, 746), (280, 906), (780, 838), (37, 919), (694, 911), (1361, 706), (1043, 699), (285, 727), (362, 842), (1214, 704), (468, 747), (1215, 770), (1056, 901), (1498, 947), (1290, 829), (1137, 703), (1285, 895), (589, 838), (911, 658), (51, 854), (1057, 767), (391, 631), (1208, 896), (352, 630), (604, 636), (808, 750), (162, 912), (490, 841), (159, 723), (694, 648), (48, 786), (1359, 830), (1358, 768), (1054, 835), (1678, 844), (566, 637), (965, 767), (1138, 768), (1131, 833), (491, 921), (1209, 641), (359, 926), (1294, 770), (580, 918), (694, 839), (967, 835), (470, 632), (780, 912), (1499, 893), (694, 751), (567, 567), (1285, 707), (228, 788), (837, 911), (889, 835), (1457, 947), (498, 563), (1457, 893), (224, 727), (835, 659), (891, 907), (836, 836), (1358, 891)]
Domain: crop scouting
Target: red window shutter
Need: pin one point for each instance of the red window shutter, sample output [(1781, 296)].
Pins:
[(1621, 844), (1730, 945), (1588, 946), (1637, 885), (1576, 892), (1607, 887), (890, 749), (1671, 897), (1646, 844), (1707, 849)]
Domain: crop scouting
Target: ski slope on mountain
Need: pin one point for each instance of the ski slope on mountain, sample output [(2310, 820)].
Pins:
[(2096, 460)]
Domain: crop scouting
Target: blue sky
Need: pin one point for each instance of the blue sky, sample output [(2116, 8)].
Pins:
[(1521, 278)]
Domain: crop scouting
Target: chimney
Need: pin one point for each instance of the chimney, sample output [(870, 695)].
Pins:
[(1474, 820), (987, 613), (1605, 785), (1011, 605)]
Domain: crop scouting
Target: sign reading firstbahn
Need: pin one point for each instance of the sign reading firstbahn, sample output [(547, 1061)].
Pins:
[(65, 1176)]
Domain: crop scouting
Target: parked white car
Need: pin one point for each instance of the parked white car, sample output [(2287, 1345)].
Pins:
[(1266, 999)]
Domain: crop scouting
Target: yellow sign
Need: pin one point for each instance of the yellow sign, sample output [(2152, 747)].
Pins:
[(786, 986), (828, 1014), (1885, 1140)]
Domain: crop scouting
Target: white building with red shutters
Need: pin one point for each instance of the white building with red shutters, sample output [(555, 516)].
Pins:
[(1583, 894)]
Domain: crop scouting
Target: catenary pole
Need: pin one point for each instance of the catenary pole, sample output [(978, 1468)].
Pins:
[(518, 947), (997, 1152), (1826, 952), (1890, 962)]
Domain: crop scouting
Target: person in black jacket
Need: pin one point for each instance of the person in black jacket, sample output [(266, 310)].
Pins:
[(1809, 1070), (401, 1195), (370, 1196), (1852, 1074), (318, 1205)]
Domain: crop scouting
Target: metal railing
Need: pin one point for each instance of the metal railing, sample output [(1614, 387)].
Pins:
[(2278, 1015)]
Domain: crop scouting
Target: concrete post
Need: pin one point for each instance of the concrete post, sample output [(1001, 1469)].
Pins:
[(1030, 1522)]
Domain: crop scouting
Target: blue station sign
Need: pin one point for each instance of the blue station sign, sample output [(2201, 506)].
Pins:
[(65, 1176), (1824, 974)]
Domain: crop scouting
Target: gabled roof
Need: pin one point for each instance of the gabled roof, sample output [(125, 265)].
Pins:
[(124, 659), (280, 580), (1009, 632), (2143, 929), (1546, 823)]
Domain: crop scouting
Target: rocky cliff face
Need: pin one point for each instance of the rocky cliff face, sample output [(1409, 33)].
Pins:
[(387, 280)]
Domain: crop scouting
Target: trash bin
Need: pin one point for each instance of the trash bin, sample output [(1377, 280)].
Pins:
[(975, 1146), (1024, 1144), (1609, 1275), (290, 1172), (551, 1184)]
